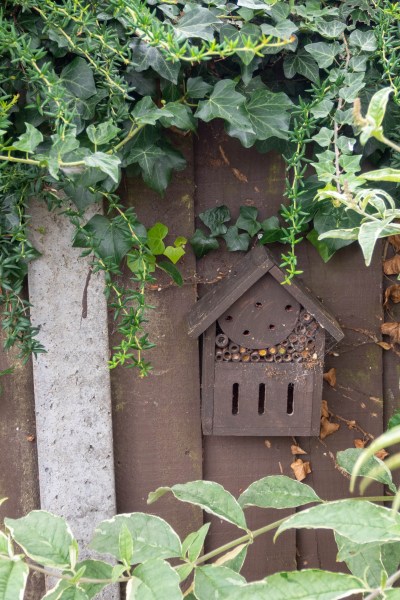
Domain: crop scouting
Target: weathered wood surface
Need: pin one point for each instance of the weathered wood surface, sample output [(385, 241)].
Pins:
[(18, 453), (352, 293), (222, 167), (157, 419)]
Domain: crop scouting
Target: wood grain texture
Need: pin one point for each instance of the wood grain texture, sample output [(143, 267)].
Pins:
[(18, 454), (353, 294), (235, 462), (157, 419)]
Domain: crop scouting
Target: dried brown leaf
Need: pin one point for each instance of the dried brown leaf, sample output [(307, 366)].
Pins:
[(359, 443), (330, 377), (300, 469), (395, 241), (351, 424), (297, 450), (239, 175), (327, 428), (385, 345), (224, 156), (392, 293), (30, 438), (324, 409), (392, 330), (267, 444), (391, 266), (382, 454)]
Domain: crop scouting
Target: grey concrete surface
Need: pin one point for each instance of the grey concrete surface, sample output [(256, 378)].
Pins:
[(71, 381)]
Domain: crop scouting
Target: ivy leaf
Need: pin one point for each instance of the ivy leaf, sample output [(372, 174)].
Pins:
[(13, 577), (78, 78), (241, 37), (324, 137), (210, 496), (272, 231), (196, 23), (277, 491), (394, 420), (180, 116), (145, 56), (28, 141), (196, 87), (368, 235), (236, 241), (323, 52), (225, 103), (202, 244), (155, 237), (322, 109), (154, 580), (247, 220), (365, 40), (299, 585), (103, 133), (147, 112), (44, 537), (330, 29), (214, 219), (255, 4), (303, 64), (268, 114), (172, 271), (111, 240), (108, 163), (173, 253), (160, 540)]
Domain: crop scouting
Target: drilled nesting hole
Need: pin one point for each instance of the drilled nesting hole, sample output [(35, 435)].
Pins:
[(235, 399), (261, 398), (290, 407)]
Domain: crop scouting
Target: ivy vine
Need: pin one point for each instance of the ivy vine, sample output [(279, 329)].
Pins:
[(89, 89)]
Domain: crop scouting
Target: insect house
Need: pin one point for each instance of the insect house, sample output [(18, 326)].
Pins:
[(263, 346)]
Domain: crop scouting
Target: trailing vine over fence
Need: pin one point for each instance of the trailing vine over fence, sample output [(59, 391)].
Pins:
[(89, 89)]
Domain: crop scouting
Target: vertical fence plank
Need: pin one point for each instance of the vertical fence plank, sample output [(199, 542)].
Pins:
[(157, 419), (228, 174), (353, 293), (18, 453)]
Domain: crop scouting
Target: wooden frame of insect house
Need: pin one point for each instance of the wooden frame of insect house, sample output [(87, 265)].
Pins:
[(263, 347)]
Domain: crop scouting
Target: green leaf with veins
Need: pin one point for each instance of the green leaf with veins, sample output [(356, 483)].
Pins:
[(303, 64), (269, 114), (236, 241), (172, 271), (180, 116), (196, 87), (155, 236), (323, 52), (202, 244), (111, 239), (28, 141), (215, 219), (145, 56), (247, 220), (225, 103), (107, 163), (103, 133), (241, 37), (197, 22), (78, 78)]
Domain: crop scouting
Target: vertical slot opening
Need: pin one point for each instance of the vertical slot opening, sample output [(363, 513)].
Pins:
[(235, 398), (290, 390), (261, 398)]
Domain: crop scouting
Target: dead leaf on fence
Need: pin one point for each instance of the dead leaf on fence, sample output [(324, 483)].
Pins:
[(300, 469), (392, 293), (359, 443), (267, 444), (30, 438), (391, 266), (297, 450), (382, 454), (330, 376), (324, 409), (327, 428), (239, 175), (395, 241), (392, 330), (384, 345)]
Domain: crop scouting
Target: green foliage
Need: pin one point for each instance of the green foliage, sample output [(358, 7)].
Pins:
[(87, 90), (367, 536)]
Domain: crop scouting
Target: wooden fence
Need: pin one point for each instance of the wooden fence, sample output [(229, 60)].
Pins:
[(156, 421)]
